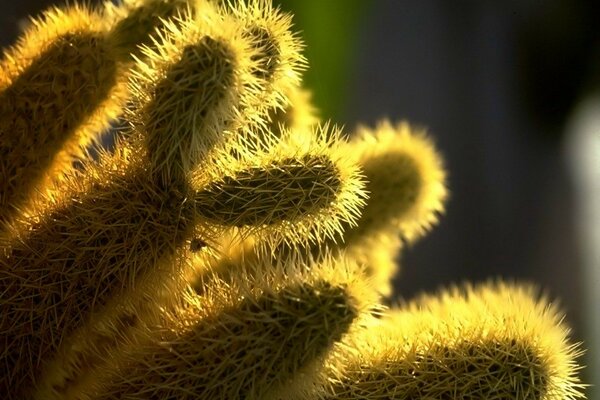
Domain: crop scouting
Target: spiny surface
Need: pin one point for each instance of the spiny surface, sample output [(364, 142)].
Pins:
[(495, 341), (279, 60), (296, 188), (106, 233), (405, 184), (59, 87), (405, 181), (135, 22), (244, 336), (190, 89), (276, 192)]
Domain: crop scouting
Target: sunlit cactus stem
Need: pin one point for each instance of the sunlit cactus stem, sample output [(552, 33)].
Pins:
[(292, 189), (228, 246), (279, 50), (405, 185), (406, 180), (193, 88), (59, 88), (120, 225), (136, 23), (244, 337), (493, 341)]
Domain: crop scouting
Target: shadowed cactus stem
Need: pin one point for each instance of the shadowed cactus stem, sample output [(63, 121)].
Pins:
[(189, 90), (407, 190), (406, 180), (115, 226), (279, 60)]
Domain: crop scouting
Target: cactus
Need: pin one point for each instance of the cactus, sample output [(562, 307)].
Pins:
[(230, 245), (60, 86), (464, 343)]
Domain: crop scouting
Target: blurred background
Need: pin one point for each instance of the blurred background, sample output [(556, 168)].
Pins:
[(510, 91)]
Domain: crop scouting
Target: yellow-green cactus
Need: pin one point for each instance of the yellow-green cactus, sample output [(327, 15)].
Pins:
[(135, 22), (294, 189), (248, 334), (493, 341), (406, 189), (60, 86), (176, 267), (190, 89)]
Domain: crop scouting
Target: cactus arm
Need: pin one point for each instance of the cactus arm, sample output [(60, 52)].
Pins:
[(296, 181), (406, 180), (59, 88), (245, 336), (494, 341)]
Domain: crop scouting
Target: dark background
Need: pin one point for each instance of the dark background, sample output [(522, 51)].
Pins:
[(495, 83)]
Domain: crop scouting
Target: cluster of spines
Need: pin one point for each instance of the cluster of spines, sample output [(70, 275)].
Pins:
[(244, 336), (405, 177), (295, 189), (190, 89), (494, 341), (59, 87), (279, 60), (223, 145), (113, 231), (134, 23), (406, 184), (406, 190)]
